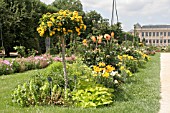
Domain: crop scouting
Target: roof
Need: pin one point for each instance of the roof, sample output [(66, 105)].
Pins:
[(156, 26)]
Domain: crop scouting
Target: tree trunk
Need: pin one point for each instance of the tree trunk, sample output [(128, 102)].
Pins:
[(47, 44), (64, 66)]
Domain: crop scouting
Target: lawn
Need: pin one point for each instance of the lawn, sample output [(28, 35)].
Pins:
[(140, 95)]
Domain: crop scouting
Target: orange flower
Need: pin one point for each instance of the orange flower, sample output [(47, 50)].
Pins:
[(112, 34), (93, 38), (107, 36), (99, 41), (99, 37)]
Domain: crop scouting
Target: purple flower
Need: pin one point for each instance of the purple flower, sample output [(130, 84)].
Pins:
[(6, 62)]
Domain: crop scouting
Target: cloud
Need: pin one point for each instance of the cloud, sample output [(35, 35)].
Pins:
[(131, 11)]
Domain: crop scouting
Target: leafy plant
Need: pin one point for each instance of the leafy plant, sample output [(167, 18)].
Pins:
[(20, 50), (92, 96), (38, 91)]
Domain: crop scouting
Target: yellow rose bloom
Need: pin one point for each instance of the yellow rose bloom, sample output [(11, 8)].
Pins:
[(79, 33), (64, 29), (51, 33), (102, 64), (109, 68), (96, 69), (70, 31), (85, 27), (52, 19), (54, 29), (105, 75), (49, 23)]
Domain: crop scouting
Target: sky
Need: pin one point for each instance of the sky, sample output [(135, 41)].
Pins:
[(130, 12)]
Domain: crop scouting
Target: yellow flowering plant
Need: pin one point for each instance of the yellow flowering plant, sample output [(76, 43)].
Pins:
[(106, 75), (60, 24)]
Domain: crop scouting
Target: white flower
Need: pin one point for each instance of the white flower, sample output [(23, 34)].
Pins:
[(113, 73), (116, 82), (118, 75)]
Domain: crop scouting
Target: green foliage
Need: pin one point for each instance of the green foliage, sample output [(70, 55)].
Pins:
[(92, 97), (72, 5), (37, 91), (20, 50), (32, 52)]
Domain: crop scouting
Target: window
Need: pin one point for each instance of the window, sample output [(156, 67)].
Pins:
[(143, 34), (168, 40), (146, 41), (164, 41), (157, 41), (150, 41), (153, 33), (161, 41), (149, 33), (161, 33), (168, 33), (157, 33), (146, 33), (153, 41), (164, 33)]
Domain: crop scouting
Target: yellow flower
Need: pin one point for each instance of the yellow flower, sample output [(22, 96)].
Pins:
[(42, 23), (102, 64), (65, 33), (96, 69), (94, 75), (119, 57), (125, 56), (72, 18), (128, 72), (54, 29), (79, 33), (70, 31), (58, 29), (60, 24), (49, 23), (109, 68), (52, 19), (130, 57), (106, 74), (64, 13), (85, 42), (64, 29), (75, 13), (85, 27), (77, 29), (51, 33), (122, 68)]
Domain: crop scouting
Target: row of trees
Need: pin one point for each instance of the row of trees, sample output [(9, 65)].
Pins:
[(19, 20)]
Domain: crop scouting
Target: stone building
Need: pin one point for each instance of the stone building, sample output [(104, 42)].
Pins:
[(156, 35)]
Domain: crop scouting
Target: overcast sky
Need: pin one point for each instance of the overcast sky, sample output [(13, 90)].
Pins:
[(144, 12)]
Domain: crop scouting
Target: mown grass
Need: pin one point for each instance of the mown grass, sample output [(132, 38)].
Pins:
[(140, 94)]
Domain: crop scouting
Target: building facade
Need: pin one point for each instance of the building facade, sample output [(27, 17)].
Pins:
[(156, 35)]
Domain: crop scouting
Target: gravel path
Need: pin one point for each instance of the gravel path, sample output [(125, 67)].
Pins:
[(165, 83)]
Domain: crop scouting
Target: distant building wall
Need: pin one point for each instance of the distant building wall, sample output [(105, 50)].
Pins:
[(156, 35)]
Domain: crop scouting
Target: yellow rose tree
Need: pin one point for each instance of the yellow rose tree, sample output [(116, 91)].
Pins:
[(60, 24)]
